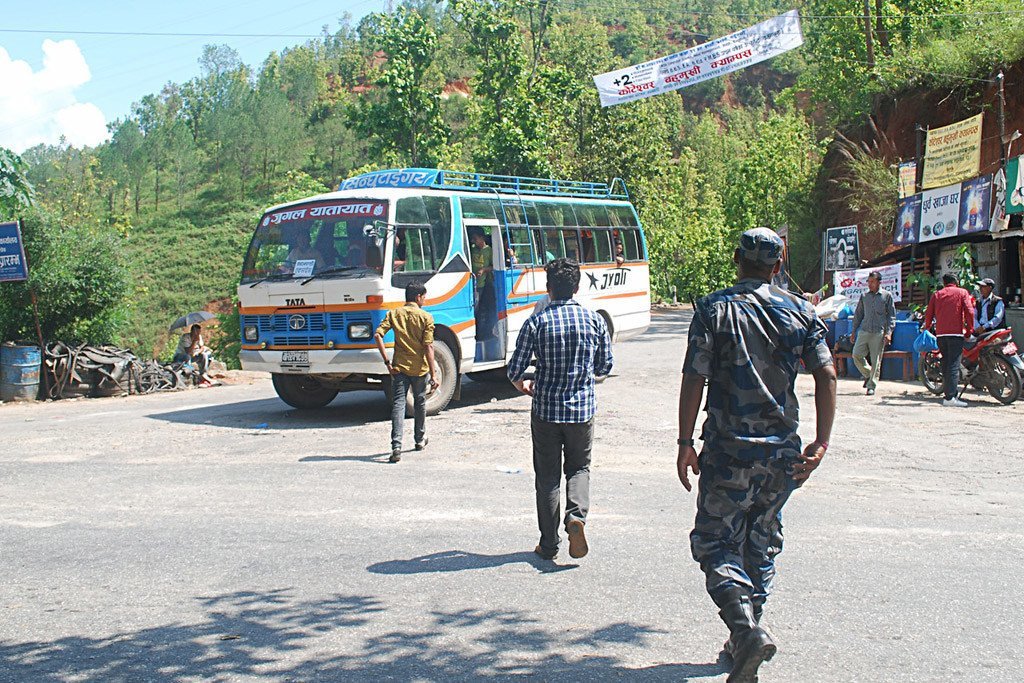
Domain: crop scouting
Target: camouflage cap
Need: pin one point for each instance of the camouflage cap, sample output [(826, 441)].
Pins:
[(761, 245)]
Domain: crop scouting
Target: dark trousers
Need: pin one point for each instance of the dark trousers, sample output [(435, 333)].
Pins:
[(400, 384), (559, 447), (738, 530), (952, 350)]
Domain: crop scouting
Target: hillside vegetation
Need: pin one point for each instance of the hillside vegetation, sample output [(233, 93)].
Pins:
[(164, 209)]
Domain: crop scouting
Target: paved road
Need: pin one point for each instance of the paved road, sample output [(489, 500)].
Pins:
[(170, 538)]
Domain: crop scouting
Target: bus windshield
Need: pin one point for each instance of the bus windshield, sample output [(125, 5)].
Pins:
[(309, 239)]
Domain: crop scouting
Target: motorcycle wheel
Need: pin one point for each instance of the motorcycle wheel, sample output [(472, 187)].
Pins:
[(1005, 386), (929, 370)]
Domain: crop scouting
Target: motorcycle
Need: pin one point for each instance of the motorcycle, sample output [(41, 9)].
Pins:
[(989, 364)]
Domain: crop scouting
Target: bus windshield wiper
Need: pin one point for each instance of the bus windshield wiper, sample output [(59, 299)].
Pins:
[(329, 271), (272, 276)]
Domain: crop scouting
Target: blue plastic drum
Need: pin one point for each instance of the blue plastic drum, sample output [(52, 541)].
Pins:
[(19, 372)]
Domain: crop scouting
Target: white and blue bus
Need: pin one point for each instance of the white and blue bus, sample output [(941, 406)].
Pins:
[(321, 273)]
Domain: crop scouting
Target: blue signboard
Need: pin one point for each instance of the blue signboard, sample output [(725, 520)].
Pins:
[(406, 177), (13, 266)]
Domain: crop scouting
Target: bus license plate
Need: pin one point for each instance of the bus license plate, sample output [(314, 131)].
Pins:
[(295, 357)]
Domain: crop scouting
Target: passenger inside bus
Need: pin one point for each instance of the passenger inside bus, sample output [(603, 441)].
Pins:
[(620, 254), (302, 249), (482, 257), (398, 262), (327, 254), (355, 257)]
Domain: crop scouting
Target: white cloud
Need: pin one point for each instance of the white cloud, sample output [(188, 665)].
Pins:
[(40, 106)]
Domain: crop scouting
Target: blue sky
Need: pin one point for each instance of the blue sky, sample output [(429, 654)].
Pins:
[(55, 82)]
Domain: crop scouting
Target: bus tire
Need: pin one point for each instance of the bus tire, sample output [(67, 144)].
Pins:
[(302, 391), (438, 399)]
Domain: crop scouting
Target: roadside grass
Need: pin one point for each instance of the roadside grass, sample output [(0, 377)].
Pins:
[(182, 261)]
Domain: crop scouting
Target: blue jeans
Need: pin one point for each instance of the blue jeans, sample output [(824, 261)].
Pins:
[(400, 384)]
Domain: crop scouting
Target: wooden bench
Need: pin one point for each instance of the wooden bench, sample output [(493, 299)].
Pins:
[(906, 356)]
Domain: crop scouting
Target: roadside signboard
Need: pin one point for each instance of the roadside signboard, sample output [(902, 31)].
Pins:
[(709, 60), (842, 248), (952, 153), (853, 283), (908, 178), (13, 265), (951, 211)]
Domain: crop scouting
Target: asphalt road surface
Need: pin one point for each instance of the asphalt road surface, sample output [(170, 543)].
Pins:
[(219, 535)]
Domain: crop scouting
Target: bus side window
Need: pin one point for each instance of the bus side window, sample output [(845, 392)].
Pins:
[(439, 217), (600, 250), (630, 242), (520, 245), (476, 207), (549, 245), (572, 245)]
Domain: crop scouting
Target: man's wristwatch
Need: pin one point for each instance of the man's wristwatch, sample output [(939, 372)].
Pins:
[(685, 442)]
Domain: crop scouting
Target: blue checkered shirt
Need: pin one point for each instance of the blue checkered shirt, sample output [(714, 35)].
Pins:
[(570, 345)]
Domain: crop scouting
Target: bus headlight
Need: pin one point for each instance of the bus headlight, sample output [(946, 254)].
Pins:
[(251, 333), (359, 331)]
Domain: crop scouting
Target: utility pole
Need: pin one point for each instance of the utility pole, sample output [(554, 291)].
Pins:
[(1001, 81), (867, 34)]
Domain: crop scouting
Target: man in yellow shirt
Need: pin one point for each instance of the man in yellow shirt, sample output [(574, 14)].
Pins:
[(413, 358)]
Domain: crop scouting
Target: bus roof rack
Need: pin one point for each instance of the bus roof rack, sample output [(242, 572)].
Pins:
[(441, 179)]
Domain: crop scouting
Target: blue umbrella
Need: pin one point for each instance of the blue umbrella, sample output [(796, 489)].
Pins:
[(193, 318)]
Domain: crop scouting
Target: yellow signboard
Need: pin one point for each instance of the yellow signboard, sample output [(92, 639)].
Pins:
[(952, 153), (908, 178)]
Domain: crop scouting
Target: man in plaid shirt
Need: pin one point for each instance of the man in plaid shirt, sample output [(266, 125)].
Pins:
[(571, 345)]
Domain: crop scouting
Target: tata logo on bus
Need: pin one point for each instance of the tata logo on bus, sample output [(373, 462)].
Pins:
[(295, 302), (608, 279), (296, 323)]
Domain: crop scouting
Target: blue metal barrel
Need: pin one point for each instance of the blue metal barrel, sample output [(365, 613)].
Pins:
[(19, 372)]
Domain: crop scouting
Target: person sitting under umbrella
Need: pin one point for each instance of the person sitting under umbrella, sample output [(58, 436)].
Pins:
[(191, 349)]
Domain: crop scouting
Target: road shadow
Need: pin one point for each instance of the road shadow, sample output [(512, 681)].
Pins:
[(271, 635), (381, 458), (350, 409), (460, 560)]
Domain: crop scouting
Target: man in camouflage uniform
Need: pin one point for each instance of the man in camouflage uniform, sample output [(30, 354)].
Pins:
[(747, 342)]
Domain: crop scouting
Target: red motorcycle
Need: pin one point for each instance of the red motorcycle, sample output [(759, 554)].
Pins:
[(989, 364)]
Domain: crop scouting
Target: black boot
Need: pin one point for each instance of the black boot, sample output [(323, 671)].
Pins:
[(749, 644)]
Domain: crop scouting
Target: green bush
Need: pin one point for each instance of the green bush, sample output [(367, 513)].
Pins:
[(80, 280)]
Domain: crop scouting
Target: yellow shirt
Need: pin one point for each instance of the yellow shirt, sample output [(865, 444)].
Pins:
[(414, 331)]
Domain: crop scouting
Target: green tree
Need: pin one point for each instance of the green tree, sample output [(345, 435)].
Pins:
[(15, 189), (402, 118), (509, 128), (80, 280)]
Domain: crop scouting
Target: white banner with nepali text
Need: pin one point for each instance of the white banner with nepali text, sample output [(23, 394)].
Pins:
[(853, 283), (706, 61)]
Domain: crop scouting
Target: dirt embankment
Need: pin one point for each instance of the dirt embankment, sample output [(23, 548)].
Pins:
[(897, 117)]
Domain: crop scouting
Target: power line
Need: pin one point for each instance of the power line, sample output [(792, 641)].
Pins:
[(160, 34), (579, 5)]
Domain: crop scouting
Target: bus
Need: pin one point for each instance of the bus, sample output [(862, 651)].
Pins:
[(321, 273)]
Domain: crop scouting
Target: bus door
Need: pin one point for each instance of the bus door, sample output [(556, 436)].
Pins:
[(490, 286)]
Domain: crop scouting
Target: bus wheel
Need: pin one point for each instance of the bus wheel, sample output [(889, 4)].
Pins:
[(303, 391), (447, 377), (439, 398)]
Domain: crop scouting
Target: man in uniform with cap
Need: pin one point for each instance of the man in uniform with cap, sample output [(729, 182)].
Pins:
[(990, 311), (747, 343)]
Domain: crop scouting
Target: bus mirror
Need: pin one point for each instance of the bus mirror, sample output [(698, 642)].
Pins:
[(378, 230)]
